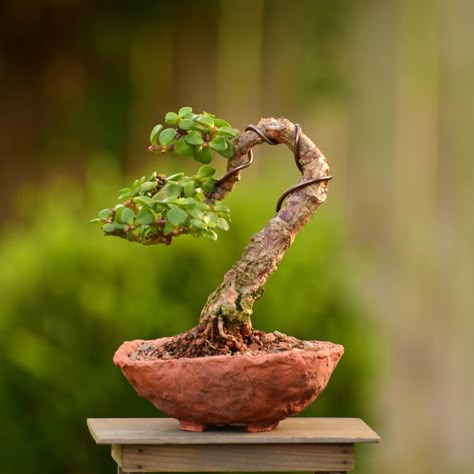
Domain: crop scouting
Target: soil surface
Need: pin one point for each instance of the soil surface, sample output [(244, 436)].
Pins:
[(194, 344)]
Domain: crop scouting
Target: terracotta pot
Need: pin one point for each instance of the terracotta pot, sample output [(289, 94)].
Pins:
[(257, 391)]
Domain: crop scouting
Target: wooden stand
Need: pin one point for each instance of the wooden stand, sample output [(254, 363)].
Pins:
[(298, 444)]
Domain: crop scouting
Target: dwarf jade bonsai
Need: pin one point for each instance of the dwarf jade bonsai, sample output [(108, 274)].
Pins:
[(160, 208)]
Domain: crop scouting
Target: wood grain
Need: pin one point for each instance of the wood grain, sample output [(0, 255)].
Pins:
[(157, 431), (233, 457)]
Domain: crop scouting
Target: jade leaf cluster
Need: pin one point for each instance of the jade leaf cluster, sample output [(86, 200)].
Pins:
[(191, 134), (155, 209)]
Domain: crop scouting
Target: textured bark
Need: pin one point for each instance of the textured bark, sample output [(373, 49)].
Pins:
[(230, 305)]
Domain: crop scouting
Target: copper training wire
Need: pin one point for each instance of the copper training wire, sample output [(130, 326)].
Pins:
[(296, 152)]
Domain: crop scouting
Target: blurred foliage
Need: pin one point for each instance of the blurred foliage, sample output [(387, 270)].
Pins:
[(70, 297)]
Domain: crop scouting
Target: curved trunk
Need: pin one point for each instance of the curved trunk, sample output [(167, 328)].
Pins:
[(230, 305)]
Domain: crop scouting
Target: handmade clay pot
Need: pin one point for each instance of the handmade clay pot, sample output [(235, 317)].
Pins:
[(255, 390)]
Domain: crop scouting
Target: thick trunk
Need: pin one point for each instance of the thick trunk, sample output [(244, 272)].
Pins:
[(230, 305)]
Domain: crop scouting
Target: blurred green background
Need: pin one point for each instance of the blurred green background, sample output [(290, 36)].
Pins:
[(385, 268)]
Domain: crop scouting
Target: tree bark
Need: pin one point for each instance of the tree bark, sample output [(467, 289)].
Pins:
[(230, 305)]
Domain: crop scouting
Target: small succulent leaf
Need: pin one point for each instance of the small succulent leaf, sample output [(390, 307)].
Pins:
[(176, 216), (183, 111), (209, 185), (210, 234), (95, 221), (219, 144), (211, 219), (205, 171), (220, 123), (127, 216), (169, 227), (167, 136), (222, 224), (203, 155), (172, 189), (205, 120), (145, 216), (198, 224), (189, 201), (170, 200), (219, 206), (183, 148), (145, 201), (188, 189), (105, 213), (148, 186), (227, 131), (124, 193), (229, 151), (154, 134), (171, 118), (186, 124), (108, 228), (175, 177), (194, 138), (160, 196), (196, 213)]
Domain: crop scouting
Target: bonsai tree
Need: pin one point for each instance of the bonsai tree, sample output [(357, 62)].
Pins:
[(158, 209)]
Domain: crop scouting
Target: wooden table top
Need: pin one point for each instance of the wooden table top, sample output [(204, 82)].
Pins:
[(165, 431)]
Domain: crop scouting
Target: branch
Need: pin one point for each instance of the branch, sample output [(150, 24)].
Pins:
[(243, 284)]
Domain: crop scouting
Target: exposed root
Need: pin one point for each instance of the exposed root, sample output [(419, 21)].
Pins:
[(191, 344)]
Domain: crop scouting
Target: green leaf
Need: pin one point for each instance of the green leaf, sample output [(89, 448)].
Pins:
[(167, 136), (169, 227), (229, 151), (170, 200), (127, 216), (189, 201), (205, 120), (219, 206), (138, 182), (154, 133), (95, 221), (175, 177), (203, 155), (219, 144), (105, 214), (205, 171), (221, 123), (144, 200), (186, 124), (222, 224), (148, 186), (177, 216), (108, 228), (183, 111), (160, 196), (198, 224), (210, 234), (124, 193), (182, 147), (196, 213), (188, 189), (227, 131), (171, 118), (172, 189), (194, 138), (209, 185), (145, 216), (211, 219)]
